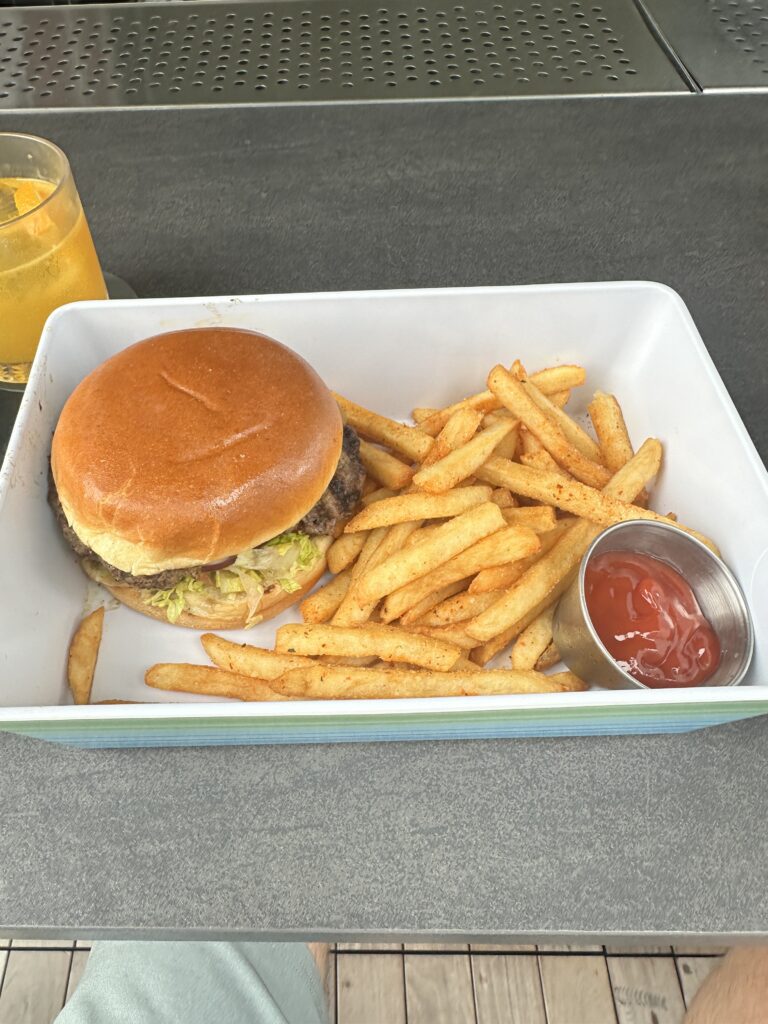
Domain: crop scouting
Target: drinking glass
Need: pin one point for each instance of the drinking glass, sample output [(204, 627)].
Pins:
[(47, 256)]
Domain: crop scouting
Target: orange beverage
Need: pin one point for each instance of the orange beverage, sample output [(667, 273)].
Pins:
[(47, 256)]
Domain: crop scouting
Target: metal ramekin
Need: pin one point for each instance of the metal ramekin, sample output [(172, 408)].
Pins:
[(714, 585)]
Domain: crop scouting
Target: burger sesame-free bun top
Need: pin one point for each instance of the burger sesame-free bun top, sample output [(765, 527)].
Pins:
[(192, 446)]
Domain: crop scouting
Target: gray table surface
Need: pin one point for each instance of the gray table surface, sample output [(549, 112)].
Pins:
[(574, 838)]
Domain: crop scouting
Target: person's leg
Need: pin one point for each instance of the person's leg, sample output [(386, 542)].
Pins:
[(736, 992), (198, 983)]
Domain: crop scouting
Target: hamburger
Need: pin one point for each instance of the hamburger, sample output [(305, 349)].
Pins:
[(200, 476)]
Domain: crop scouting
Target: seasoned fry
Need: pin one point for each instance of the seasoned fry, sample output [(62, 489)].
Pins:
[(462, 462), (378, 495), (516, 396), (550, 574), (328, 682), (529, 443), (421, 414), (548, 659), (436, 597), (502, 546), (455, 635), (578, 437), (499, 577), (458, 609), (83, 654), (409, 442), (324, 603), (405, 508), (487, 651), (459, 429), (572, 496), (247, 660), (385, 642), (533, 641), (503, 497), (214, 682), (549, 381), (353, 611), (451, 538), (543, 460), (344, 551), (384, 467), (540, 518), (608, 421), (560, 399)]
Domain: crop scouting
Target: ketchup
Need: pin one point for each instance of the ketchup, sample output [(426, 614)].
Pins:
[(649, 620)]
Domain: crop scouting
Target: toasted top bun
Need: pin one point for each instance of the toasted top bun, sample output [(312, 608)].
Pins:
[(193, 446)]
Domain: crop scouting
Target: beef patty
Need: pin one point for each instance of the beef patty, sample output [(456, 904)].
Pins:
[(338, 503)]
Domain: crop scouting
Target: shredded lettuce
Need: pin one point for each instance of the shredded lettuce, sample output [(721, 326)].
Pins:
[(174, 599), (278, 562)]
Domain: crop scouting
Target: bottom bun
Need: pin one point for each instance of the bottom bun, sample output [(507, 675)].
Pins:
[(217, 614)]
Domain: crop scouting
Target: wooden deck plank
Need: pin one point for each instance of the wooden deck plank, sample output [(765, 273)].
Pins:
[(370, 989), (699, 949), (499, 947), (79, 960), (577, 990), (692, 971), (638, 950), (559, 948), (34, 986), (42, 944), (436, 947), (508, 990), (387, 947), (439, 988), (646, 990)]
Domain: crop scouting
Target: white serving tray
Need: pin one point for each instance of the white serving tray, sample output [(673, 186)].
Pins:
[(390, 351)]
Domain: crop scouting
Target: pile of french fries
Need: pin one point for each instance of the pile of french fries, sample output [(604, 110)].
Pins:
[(473, 524)]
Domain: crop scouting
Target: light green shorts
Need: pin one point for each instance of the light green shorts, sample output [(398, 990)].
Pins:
[(198, 983)]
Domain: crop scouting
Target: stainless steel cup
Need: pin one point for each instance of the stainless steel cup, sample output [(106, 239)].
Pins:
[(714, 585)]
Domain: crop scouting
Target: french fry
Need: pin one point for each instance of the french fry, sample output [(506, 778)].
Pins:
[(378, 495), (550, 574), (529, 443), (214, 682), (608, 421), (549, 381), (247, 660), (543, 460), (337, 683), (385, 642), (486, 652), (560, 399), (502, 546), (405, 508), (408, 442), (540, 518), (420, 534), (533, 641), (421, 414), (436, 597), (384, 467), (460, 428), (461, 463), (369, 485), (83, 655), (451, 538), (503, 497), (463, 664), (354, 612), (458, 609), (571, 496), (517, 397), (324, 603), (454, 634), (548, 659), (578, 437), (500, 577)]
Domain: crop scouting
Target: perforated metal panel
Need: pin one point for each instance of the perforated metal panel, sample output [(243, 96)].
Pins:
[(723, 43), (324, 50)]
